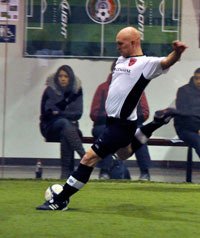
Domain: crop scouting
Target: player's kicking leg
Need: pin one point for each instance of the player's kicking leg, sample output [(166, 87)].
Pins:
[(143, 133)]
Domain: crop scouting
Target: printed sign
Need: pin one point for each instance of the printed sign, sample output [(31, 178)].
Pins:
[(87, 29), (9, 10), (7, 33)]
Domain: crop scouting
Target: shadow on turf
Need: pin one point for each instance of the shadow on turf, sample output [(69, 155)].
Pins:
[(157, 213), (167, 189), (152, 212), (146, 186)]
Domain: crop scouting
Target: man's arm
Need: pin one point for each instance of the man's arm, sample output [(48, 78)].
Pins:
[(182, 101), (97, 110), (143, 109), (178, 48)]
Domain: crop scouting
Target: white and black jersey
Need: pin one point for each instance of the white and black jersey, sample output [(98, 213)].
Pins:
[(129, 79)]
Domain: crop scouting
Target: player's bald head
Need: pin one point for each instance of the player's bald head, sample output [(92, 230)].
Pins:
[(129, 33), (128, 42)]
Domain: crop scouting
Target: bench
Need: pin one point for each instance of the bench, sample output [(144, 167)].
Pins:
[(159, 142), (163, 142)]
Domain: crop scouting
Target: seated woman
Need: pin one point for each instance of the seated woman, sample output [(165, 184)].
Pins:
[(61, 108)]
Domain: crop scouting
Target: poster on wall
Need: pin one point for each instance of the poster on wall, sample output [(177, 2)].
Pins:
[(7, 33), (9, 10), (87, 29)]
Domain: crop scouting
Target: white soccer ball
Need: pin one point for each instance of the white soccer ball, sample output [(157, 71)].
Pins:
[(53, 190)]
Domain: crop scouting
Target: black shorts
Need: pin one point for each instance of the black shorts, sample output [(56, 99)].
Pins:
[(117, 134)]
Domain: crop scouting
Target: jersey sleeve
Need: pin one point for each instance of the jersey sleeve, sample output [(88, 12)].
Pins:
[(152, 68)]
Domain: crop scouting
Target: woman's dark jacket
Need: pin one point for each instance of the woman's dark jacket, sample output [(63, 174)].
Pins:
[(60, 103)]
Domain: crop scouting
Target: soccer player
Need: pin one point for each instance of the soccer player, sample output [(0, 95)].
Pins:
[(132, 73)]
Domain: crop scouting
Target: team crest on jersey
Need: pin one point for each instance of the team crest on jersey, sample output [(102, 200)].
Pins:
[(132, 61)]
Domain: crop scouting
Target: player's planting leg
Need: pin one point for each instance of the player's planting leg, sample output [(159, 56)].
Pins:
[(74, 183)]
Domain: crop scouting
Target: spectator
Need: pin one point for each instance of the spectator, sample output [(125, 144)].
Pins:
[(98, 116), (187, 124), (61, 108)]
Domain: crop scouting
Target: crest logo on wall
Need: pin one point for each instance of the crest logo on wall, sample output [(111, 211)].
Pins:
[(103, 11)]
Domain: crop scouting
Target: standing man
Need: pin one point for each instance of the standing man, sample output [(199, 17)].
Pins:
[(133, 71)]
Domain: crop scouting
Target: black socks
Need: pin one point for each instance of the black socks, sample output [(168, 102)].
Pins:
[(150, 128), (75, 182)]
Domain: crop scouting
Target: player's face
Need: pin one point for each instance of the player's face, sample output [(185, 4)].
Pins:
[(63, 78), (124, 46), (196, 80)]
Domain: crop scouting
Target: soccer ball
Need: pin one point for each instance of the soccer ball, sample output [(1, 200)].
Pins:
[(103, 14), (52, 191)]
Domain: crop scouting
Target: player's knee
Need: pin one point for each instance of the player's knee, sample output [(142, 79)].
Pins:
[(86, 159), (90, 159), (124, 153)]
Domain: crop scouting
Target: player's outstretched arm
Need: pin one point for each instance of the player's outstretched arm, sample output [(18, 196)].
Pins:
[(178, 48)]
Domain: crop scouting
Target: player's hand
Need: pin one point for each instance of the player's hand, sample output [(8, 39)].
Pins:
[(179, 46)]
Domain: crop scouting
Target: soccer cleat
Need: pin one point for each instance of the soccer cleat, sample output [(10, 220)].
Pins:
[(51, 206), (165, 115)]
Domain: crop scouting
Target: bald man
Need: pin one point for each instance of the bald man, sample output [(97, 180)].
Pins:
[(132, 73)]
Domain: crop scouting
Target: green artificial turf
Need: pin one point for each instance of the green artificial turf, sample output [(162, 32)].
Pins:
[(102, 210)]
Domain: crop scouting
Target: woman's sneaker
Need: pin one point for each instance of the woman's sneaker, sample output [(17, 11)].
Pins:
[(144, 177)]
